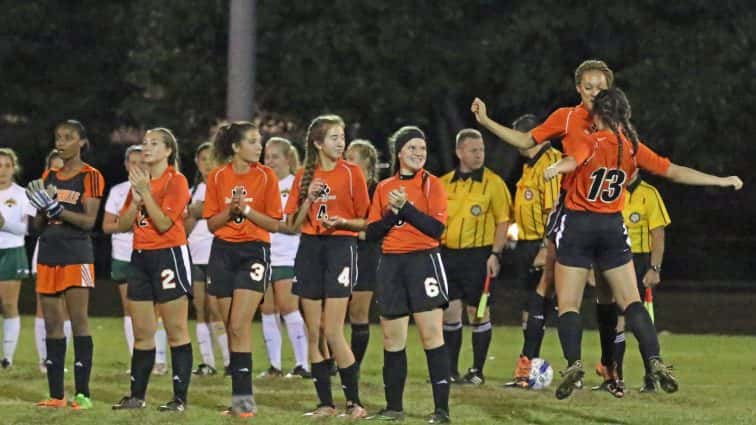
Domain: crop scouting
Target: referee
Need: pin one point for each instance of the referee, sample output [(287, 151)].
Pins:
[(479, 213), (645, 218)]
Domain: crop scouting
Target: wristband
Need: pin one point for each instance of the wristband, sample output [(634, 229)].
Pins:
[(246, 210), (656, 268)]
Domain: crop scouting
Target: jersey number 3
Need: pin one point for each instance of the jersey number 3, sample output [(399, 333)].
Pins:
[(615, 179)]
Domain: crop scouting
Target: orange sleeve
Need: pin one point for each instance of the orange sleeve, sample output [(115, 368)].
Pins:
[(212, 204), (580, 148), (293, 200), (554, 126), (94, 184), (273, 197), (360, 197), (376, 207), (176, 198), (651, 161), (437, 201)]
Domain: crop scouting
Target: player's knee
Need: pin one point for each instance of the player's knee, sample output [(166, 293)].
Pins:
[(10, 309)]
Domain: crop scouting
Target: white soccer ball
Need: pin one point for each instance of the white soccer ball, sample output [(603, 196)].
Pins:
[(541, 374)]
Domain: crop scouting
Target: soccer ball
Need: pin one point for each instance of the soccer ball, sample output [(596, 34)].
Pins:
[(541, 374)]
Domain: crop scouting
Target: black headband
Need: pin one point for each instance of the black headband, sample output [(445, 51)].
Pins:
[(405, 137)]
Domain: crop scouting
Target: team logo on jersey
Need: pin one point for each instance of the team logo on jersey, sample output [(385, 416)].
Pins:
[(68, 196), (325, 193), (239, 192), (476, 210), (635, 217), (10, 202), (528, 195)]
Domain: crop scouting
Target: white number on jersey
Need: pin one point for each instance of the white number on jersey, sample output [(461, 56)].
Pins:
[(431, 287), (343, 278), (257, 272), (169, 278)]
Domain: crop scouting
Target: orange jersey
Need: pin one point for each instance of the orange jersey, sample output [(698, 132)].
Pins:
[(599, 183), (426, 192), (258, 188), (171, 193), (345, 196)]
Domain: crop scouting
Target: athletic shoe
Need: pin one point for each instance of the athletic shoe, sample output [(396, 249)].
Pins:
[(663, 374), (42, 367), (440, 416), (129, 402), (81, 402), (5, 363), (160, 369), (52, 403), (227, 370), (522, 373), (204, 370), (322, 412), (570, 375), (230, 412), (175, 405), (473, 377), (387, 415), (299, 372), (611, 382), (272, 372), (354, 411), (649, 384), (242, 407)]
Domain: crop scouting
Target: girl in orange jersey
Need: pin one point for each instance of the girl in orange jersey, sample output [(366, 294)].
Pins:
[(408, 214), (69, 197), (160, 267), (592, 233), (242, 207), (328, 203)]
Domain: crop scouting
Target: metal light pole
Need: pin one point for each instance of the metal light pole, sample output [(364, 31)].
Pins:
[(241, 60)]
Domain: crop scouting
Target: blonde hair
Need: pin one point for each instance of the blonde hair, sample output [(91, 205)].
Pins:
[(10, 153), (170, 142), (369, 152), (289, 151)]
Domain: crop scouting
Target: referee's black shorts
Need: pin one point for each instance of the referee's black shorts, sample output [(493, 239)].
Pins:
[(466, 272)]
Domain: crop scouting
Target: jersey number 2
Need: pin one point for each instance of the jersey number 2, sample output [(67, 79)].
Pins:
[(614, 177)]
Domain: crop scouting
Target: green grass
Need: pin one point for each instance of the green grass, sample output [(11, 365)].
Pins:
[(716, 375)]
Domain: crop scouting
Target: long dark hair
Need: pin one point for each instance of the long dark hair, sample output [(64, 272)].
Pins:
[(198, 174), (227, 136), (315, 133), (614, 109)]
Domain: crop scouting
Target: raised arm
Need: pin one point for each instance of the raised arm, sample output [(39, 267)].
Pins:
[(690, 176), (513, 137)]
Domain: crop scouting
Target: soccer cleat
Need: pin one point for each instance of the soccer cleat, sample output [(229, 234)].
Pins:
[(204, 370), (53, 403), (454, 378), (354, 411), (175, 405), (522, 373), (440, 416), (611, 382), (272, 372), (227, 370), (473, 377), (663, 374), (160, 369), (81, 402), (5, 363), (649, 384), (129, 402), (42, 367), (242, 407), (387, 415), (299, 372), (570, 376), (322, 412)]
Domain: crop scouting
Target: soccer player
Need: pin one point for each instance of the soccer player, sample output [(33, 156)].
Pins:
[(592, 233), (67, 199), (480, 210), (209, 322), (408, 214), (364, 154), (283, 158), (160, 267), (328, 203), (242, 207), (15, 210)]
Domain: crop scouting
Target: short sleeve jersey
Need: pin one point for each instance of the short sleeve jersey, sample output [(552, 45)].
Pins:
[(258, 189), (426, 193), (200, 239), (283, 248), (536, 196), (121, 243), (15, 208), (644, 211), (345, 195)]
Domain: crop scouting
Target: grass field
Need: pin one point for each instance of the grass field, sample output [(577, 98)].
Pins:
[(717, 376)]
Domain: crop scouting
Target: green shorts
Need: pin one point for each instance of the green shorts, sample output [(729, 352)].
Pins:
[(13, 264), (119, 270), (281, 273), (199, 273)]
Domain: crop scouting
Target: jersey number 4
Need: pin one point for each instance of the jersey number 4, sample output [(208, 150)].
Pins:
[(615, 179), (322, 212)]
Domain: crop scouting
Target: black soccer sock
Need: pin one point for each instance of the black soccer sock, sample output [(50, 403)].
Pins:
[(639, 323), (453, 340), (534, 328), (181, 362), (394, 377), (56, 359), (321, 377), (571, 336), (83, 350), (438, 369), (360, 338), (481, 340), (606, 316), (619, 353), (350, 383), (142, 362), (241, 373)]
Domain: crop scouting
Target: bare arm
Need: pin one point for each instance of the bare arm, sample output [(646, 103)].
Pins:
[(294, 221), (685, 175), (353, 224), (564, 166), (109, 223), (159, 219), (493, 263), (513, 137), (263, 220), (85, 220), (652, 277), (125, 221)]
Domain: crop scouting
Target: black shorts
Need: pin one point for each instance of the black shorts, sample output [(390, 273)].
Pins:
[(325, 267), (556, 212), (587, 239), (237, 265), (199, 272), (642, 263), (367, 264), (526, 276), (160, 275), (466, 273), (411, 283)]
